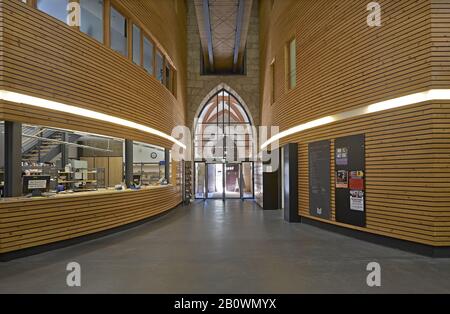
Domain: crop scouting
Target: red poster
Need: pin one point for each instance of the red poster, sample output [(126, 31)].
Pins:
[(356, 181)]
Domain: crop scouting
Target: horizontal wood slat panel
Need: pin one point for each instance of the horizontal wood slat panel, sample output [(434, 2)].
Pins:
[(28, 223), (45, 58), (343, 64)]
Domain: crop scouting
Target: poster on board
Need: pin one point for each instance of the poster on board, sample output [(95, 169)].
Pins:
[(357, 200), (356, 180), (342, 179), (342, 156)]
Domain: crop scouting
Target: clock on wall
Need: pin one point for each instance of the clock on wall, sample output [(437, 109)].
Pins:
[(153, 155)]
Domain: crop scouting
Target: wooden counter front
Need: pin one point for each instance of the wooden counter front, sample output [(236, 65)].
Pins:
[(26, 223)]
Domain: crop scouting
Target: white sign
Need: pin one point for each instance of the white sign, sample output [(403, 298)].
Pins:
[(357, 200), (37, 184)]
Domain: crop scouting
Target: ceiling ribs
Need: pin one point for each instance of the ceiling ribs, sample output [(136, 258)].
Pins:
[(207, 21), (223, 27)]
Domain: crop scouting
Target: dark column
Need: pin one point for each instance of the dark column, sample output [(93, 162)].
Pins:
[(65, 150), (291, 183), (13, 159), (128, 162), (167, 164)]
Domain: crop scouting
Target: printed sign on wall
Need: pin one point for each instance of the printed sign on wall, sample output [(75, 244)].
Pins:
[(357, 200), (350, 194), (356, 181), (342, 156), (342, 179)]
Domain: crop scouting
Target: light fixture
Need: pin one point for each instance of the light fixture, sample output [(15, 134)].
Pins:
[(433, 94), (57, 106)]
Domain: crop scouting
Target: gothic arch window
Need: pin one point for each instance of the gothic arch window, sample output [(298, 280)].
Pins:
[(223, 130)]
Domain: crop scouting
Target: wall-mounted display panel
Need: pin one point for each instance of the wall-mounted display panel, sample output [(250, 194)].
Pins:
[(350, 180), (319, 179)]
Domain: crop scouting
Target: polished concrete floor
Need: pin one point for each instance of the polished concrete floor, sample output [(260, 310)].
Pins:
[(212, 247)]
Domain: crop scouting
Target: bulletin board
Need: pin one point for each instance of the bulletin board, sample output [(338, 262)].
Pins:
[(350, 180)]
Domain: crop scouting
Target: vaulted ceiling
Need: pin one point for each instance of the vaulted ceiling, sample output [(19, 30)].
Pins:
[(223, 27)]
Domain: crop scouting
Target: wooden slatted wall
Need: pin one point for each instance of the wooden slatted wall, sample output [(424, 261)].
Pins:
[(343, 64), (43, 57), (29, 223)]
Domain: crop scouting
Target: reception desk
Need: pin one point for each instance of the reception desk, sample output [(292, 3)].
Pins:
[(27, 223)]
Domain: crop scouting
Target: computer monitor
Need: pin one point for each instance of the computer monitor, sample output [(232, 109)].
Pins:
[(36, 184), (137, 179)]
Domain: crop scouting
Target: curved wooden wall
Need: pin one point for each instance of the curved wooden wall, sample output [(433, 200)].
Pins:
[(45, 58), (42, 57), (343, 64), (29, 223)]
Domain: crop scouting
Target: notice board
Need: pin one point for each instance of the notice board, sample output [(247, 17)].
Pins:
[(350, 180), (319, 179)]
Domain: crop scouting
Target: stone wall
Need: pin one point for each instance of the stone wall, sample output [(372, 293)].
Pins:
[(200, 86)]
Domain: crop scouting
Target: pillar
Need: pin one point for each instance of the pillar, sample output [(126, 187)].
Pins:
[(13, 159)]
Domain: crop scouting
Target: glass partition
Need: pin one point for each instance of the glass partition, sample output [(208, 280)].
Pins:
[(247, 180), (200, 180), (63, 161), (232, 181), (148, 164)]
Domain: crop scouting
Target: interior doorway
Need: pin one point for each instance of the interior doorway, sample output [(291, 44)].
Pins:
[(224, 149), (224, 181)]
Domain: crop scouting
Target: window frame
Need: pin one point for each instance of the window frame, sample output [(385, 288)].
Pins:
[(163, 65), (141, 44), (128, 22), (272, 82), (34, 4), (153, 62), (289, 73), (103, 42)]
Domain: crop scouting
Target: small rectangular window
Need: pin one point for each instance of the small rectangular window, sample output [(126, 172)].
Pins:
[(159, 67), (136, 45), (148, 55), (55, 8), (92, 18), (292, 69), (168, 77), (174, 83), (272, 82), (118, 32)]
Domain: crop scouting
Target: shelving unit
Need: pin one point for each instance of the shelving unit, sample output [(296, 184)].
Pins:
[(149, 173), (84, 180), (187, 195)]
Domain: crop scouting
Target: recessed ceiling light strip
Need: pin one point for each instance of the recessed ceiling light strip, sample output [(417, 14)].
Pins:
[(52, 105), (434, 94)]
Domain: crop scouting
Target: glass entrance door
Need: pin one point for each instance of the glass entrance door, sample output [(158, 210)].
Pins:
[(247, 184), (200, 180), (233, 181), (215, 181), (224, 181)]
